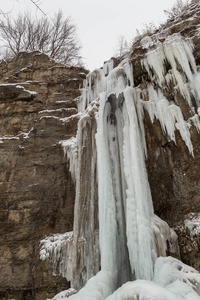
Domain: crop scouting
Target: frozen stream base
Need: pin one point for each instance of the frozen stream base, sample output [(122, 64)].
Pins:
[(172, 280)]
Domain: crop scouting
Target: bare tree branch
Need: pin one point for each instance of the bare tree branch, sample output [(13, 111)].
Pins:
[(122, 47), (178, 8), (38, 6)]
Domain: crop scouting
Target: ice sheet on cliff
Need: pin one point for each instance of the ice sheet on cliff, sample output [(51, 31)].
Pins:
[(131, 237)]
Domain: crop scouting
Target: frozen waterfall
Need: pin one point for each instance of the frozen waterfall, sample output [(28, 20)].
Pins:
[(121, 245)]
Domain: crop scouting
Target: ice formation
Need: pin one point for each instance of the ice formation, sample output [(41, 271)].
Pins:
[(108, 156), (172, 280), (56, 249), (178, 54), (70, 149)]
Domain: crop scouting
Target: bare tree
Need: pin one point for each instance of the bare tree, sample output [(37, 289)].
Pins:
[(56, 37), (177, 9), (122, 47)]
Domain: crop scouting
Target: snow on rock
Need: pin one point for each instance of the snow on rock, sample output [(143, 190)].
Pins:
[(173, 280), (142, 290), (191, 225), (69, 119), (19, 87), (5, 137), (71, 109), (26, 135), (175, 276), (99, 287), (58, 250), (22, 134), (63, 120), (64, 294)]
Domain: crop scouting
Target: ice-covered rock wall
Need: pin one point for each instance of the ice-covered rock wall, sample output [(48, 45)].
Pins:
[(110, 155)]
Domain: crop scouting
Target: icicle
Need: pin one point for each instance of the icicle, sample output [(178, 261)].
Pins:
[(108, 67), (164, 236), (196, 121), (178, 54), (70, 148), (169, 115), (155, 61)]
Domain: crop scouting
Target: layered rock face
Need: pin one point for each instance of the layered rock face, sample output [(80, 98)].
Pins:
[(37, 110), (159, 82)]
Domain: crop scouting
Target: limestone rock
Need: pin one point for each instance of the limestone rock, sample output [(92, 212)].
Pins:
[(37, 192)]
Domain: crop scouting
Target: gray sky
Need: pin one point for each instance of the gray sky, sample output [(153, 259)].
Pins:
[(99, 22)]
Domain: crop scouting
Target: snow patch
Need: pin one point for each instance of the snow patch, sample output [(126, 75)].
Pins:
[(191, 224), (64, 294)]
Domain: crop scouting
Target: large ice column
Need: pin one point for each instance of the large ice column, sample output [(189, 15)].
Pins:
[(85, 232), (128, 242), (112, 189), (125, 204), (139, 209)]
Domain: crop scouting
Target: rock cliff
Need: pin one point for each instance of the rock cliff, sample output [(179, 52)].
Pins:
[(38, 110), (38, 101)]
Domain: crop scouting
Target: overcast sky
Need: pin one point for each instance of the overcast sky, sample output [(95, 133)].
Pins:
[(99, 22)]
